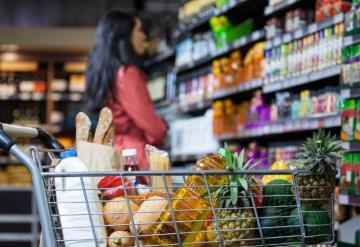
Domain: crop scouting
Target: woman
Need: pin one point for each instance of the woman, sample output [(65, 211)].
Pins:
[(114, 80)]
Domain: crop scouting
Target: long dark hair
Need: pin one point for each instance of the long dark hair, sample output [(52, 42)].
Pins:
[(112, 49)]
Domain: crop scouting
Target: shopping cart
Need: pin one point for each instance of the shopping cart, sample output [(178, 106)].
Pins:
[(174, 214)]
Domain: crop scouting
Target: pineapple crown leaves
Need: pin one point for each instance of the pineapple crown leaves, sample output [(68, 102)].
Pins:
[(238, 183), (320, 152)]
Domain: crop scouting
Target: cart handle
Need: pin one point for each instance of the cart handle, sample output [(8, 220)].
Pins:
[(7, 130)]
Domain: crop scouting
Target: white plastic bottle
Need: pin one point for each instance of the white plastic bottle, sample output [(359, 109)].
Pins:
[(73, 210)]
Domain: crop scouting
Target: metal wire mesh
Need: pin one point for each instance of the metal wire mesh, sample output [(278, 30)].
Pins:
[(294, 209)]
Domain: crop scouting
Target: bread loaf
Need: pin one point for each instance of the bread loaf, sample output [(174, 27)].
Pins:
[(83, 128), (104, 123)]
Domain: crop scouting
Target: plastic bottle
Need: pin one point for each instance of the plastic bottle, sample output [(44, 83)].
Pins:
[(73, 210), (190, 208)]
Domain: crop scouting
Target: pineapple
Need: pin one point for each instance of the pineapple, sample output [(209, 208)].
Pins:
[(235, 221), (318, 155)]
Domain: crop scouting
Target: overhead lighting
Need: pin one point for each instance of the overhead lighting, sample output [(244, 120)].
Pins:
[(9, 56), (9, 47)]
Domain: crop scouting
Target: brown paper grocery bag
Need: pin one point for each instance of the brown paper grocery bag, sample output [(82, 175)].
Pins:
[(98, 157)]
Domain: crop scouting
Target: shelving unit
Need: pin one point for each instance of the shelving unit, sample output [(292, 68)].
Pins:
[(254, 37), (204, 17), (286, 126), (273, 9), (302, 80), (305, 31)]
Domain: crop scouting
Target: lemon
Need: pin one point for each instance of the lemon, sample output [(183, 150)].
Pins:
[(278, 165)]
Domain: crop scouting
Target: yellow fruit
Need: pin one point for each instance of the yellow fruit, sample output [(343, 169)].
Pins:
[(210, 237), (278, 165)]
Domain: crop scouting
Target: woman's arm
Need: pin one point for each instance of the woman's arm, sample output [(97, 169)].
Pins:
[(133, 95)]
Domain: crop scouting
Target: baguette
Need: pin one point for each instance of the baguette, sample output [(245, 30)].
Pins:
[(109, 136), (104, 123), (83, 128)]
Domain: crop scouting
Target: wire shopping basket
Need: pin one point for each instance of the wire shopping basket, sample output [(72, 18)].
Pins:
[(295, 208)]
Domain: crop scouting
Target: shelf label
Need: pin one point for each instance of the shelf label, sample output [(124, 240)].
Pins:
[(338, 18), (343, 199), (313, 28), (277, 41), (345, 93), (255, 35), (299, 33), (287, 38), (268, 44)]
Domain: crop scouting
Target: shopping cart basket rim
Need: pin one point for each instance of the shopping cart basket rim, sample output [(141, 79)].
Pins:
[(184, 172)]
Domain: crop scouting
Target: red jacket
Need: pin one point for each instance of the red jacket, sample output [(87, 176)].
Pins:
[(136, 122)]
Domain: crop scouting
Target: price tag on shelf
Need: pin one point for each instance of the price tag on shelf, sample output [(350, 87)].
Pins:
[(299, 33), (277, 41), (56, 96), (269, 9), (232, 3), (345, 93), (287, 38), (313, 28), (344, 199), (75, 97), (268, 44), (338, 18), (243, 41), (38, 96), (25, 96), (255, 35)]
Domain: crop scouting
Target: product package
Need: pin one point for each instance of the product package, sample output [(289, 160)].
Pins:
[(356, 174), (346, 173), (158, 161), (348, 114)]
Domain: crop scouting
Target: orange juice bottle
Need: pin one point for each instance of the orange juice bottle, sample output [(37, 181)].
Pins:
[(217, 75), (236, 67), (228, 78)]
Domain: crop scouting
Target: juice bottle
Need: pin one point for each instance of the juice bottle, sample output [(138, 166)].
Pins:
[(228, 80), (236, 67), (217, 75), (347, 120), (191, 209), (218, 116)]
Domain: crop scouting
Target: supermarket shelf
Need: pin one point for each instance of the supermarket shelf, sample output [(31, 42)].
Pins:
[(255, 36), (243, 87), (203, 18), (166, 110), (349, 200), (25, 97), (18, 218), (351, 40), (287, 126), (72, 97), (350, 93), (159, 59), (352, 146), (199, 106), (302, 80), (186, 158), (18, 237), (308, 29), (11, 188), (272, 9)]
